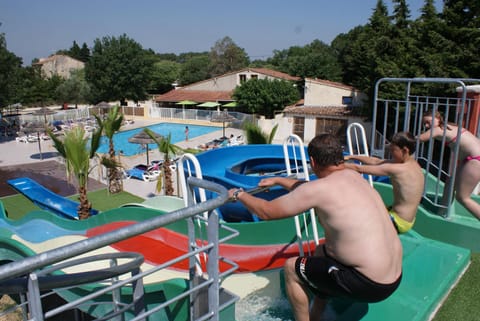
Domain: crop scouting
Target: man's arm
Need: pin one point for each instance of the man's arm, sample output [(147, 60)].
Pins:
[(285, 182), (383, 169), (365, 159), (288, 205)]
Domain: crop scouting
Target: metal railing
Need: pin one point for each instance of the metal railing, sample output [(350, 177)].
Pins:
[(357, 142), (294, 144), (182, 114), (37, 277), (66, 116), (405, 114)]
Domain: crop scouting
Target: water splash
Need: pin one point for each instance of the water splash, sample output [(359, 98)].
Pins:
[(262, 308)]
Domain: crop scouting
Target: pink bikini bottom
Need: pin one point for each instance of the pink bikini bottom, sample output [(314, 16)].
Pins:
[(469, 158)]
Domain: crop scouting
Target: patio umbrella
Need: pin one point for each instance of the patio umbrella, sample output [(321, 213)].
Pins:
[(210, 104), (223, 117), (231, 104), (143, 138), (185, 102), (44, 111), (36, 128), (103, 106)]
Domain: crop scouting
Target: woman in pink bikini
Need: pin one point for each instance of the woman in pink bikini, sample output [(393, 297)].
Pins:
[(468, 171)]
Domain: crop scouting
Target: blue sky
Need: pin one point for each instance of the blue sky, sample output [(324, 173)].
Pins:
[(38, 28)]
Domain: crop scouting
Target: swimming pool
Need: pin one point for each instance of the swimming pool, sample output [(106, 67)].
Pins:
[(177, 131)]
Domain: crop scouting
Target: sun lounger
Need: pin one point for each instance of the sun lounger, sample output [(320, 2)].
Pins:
[(21, 139), (143, 172), (157, 164), (33, 138), (89, 128)]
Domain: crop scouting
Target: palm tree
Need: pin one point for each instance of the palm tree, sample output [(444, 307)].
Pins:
[(111, 124), (167, 148), (255, 135), (77, 157)]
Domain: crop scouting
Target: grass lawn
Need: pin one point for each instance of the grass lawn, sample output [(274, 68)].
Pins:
[(462, 303), (18, 205)]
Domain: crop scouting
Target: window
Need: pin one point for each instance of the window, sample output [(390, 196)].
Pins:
[(243, 78), (347, 100), (254, 77), (299, 127)]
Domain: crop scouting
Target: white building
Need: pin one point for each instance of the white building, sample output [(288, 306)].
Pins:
[(219, 89), (60, 65), (327, 107)]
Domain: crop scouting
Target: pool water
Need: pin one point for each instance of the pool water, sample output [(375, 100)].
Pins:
[(177, 132)]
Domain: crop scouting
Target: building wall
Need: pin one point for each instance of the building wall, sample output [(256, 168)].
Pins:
[(226, 82), (321, 94), (60, 65), (285, 127)]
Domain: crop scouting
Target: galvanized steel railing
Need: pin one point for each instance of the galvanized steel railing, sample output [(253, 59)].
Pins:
[(35, 277), (391, 115)]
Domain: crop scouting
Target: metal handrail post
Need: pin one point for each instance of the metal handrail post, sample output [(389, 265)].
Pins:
[(213, 265)]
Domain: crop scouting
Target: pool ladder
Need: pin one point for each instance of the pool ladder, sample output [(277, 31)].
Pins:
[(294, 144)]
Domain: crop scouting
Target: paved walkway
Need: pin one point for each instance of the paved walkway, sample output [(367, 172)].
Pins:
[(16, 153)]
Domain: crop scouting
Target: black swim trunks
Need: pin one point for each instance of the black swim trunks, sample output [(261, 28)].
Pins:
[(326, 278)]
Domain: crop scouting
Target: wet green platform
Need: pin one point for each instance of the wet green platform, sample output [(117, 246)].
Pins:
[(461, 228), (430, 269)]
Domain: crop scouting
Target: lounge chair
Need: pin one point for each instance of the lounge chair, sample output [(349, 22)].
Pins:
[(240, 140), (21, 139), (33, 138), (143, 172), (159, 163), (89, 128)]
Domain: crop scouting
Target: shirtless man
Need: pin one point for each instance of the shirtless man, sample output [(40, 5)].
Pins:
[(362, 252), (405, 175)]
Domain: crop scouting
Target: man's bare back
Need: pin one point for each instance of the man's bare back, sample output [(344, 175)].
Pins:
[(362, 256), (358, 230)]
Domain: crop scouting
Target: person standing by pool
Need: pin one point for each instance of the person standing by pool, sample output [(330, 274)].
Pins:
[(468, 170), (186, 133), (405, 175), (362, 255)]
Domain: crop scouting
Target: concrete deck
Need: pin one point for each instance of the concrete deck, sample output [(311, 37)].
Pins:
[(15, 153)]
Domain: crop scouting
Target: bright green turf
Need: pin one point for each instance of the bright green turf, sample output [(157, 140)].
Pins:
[(18, 205), (463, 303)]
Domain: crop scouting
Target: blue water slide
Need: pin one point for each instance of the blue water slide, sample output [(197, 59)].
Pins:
[(46, 199), (244, 166)]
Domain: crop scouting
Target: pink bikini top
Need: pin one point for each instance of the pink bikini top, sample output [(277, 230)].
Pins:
[(454, 139)]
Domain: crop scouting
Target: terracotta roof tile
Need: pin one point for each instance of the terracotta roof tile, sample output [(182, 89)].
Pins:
[(199, 96), (318, 111)]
